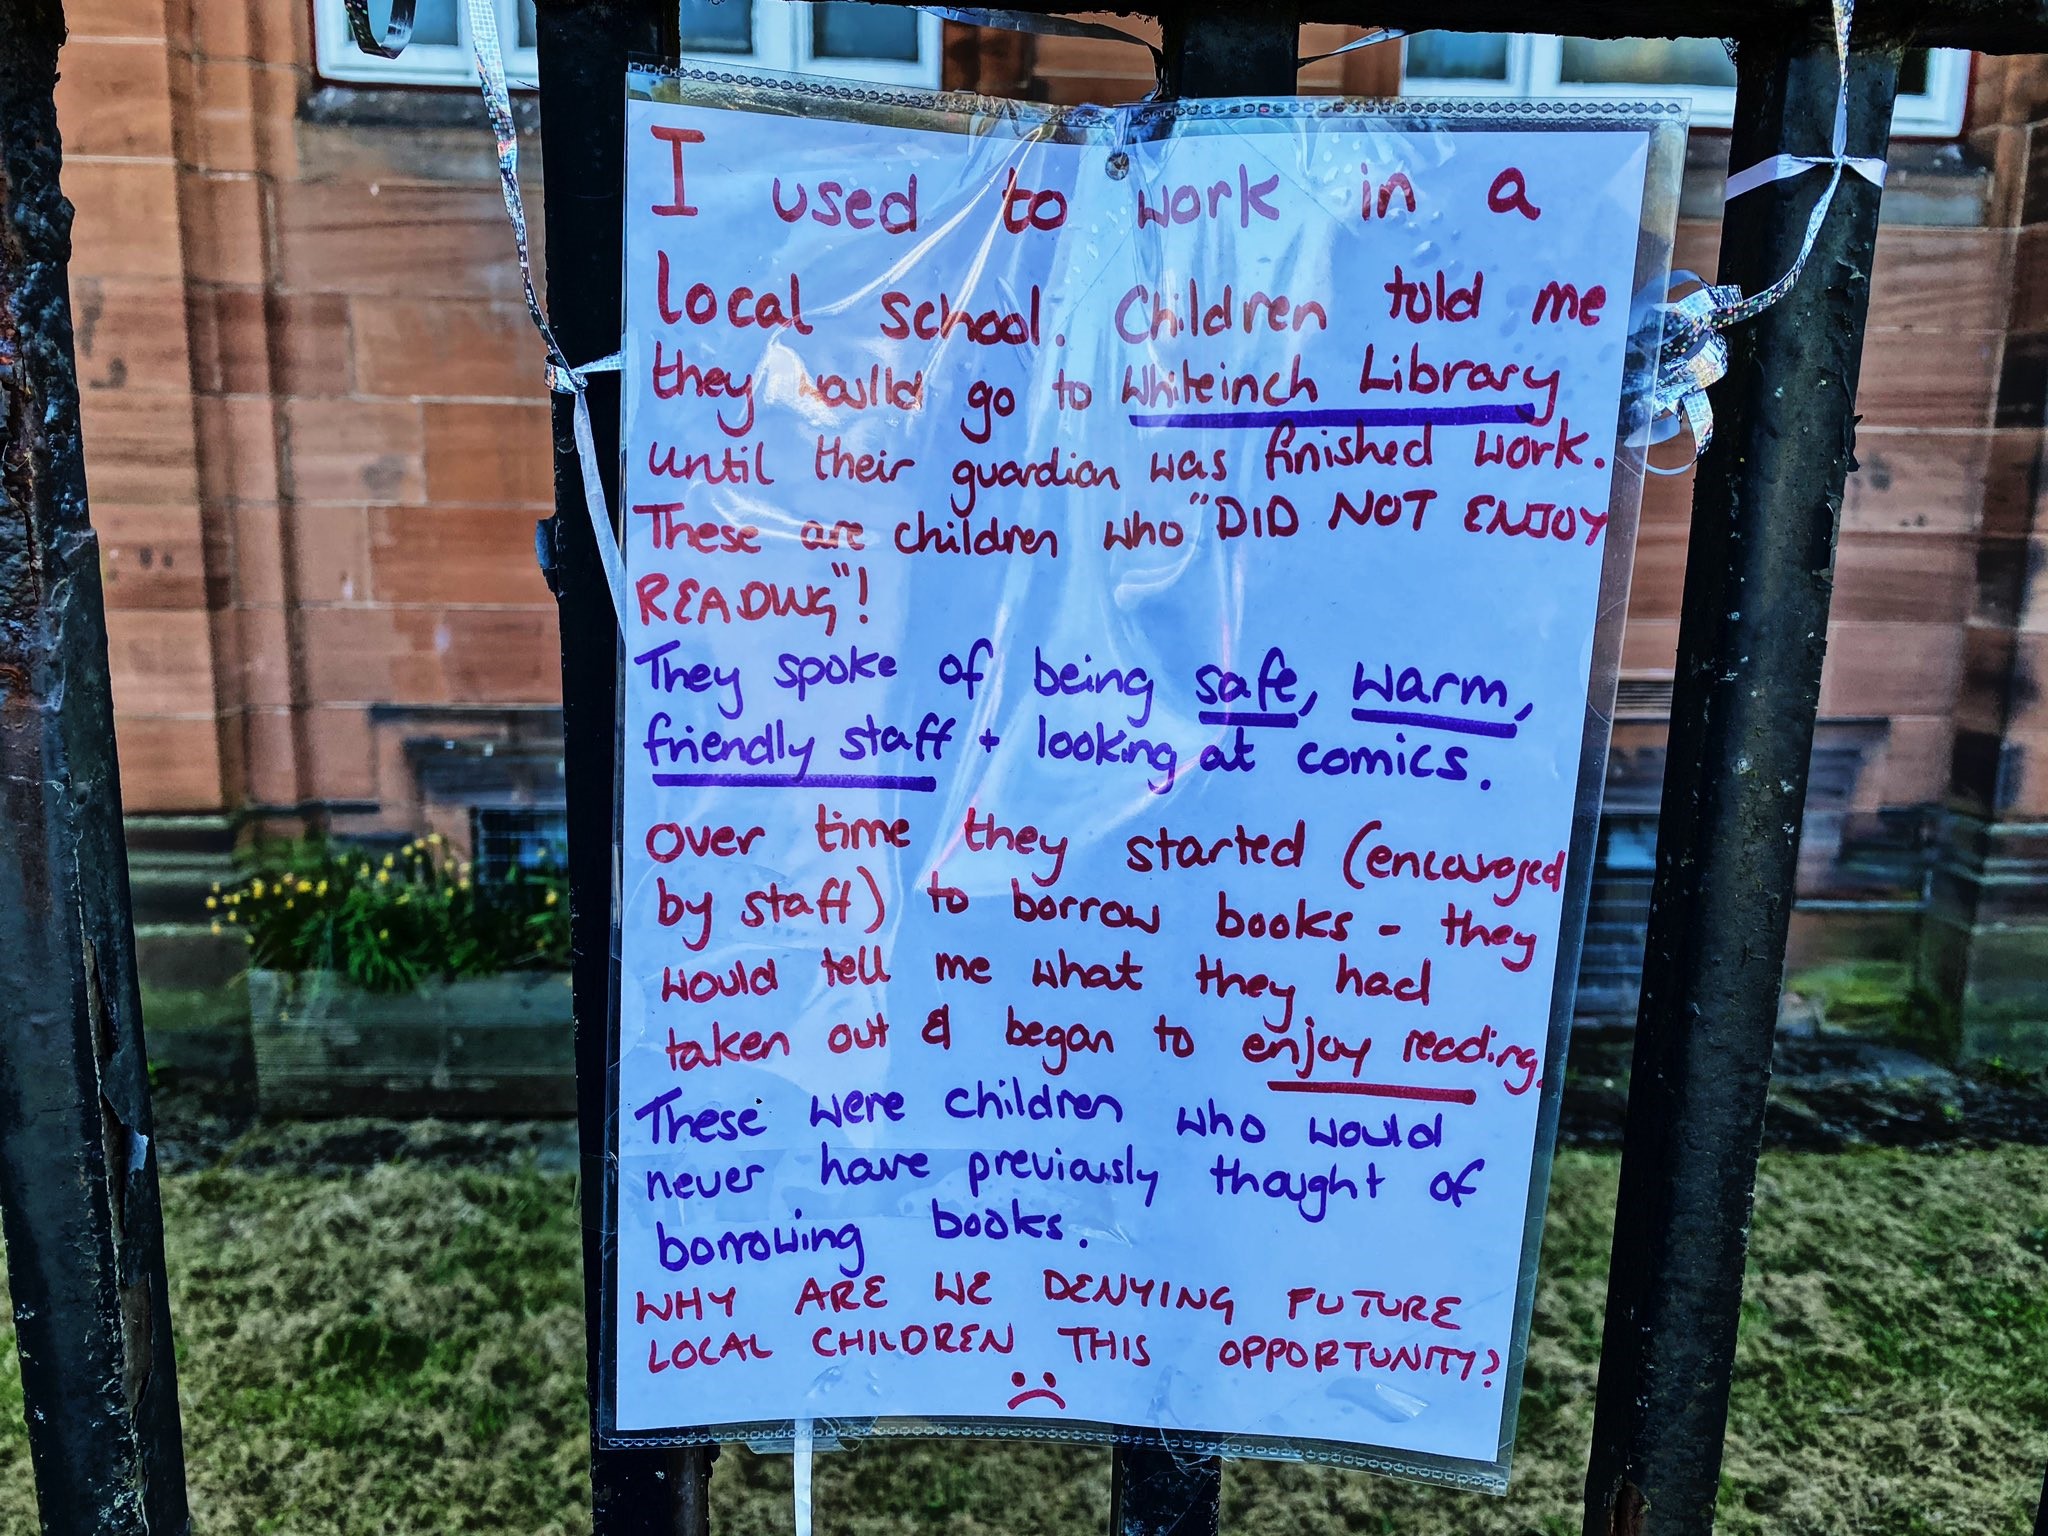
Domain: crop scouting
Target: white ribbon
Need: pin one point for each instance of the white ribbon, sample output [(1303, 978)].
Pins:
[(1783, 167), (564, 380), (801, 1452)]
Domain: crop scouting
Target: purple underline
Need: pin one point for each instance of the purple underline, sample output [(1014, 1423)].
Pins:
[(1392, 416), (921, 783), (1248, 717), (1501, 728)]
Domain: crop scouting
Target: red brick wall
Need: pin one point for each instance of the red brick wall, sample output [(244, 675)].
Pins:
[(316, 437), (128, 297), (2001, 710), (1906, 562)]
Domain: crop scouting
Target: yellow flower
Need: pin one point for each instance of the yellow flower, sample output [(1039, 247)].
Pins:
[(306, 885), (212, 903), (405, 899), (462, 885), (320, 889), (390, 862), (436, 839), (383, 877), (216, 927), (256, 889), (363, 873), (234, 917), (216, 887), (409, 849), (552, 897), (288, 903), (383, 933)]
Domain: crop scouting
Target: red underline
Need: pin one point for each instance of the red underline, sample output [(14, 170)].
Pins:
[(1382, 1091)]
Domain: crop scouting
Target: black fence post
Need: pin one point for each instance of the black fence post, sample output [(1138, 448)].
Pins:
[(78, 1190), (583, 50), (1219, 49), (1753, 631), (1210, 49)]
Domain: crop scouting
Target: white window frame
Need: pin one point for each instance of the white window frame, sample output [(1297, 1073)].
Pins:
[(1536, 61), (794, 21), (782, 42), (336, 56)]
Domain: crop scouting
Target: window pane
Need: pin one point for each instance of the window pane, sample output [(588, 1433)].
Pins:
[(528, 33), (717, 26), (1627, 843), (842, 30), (1913, 72), (504, 840), (1646, 61), (1458, 56), (433, 21)]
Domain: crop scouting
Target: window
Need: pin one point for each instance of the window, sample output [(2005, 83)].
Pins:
[(439, 51), (1932, 84), (529, 841), (1628, 845), (886, 44)]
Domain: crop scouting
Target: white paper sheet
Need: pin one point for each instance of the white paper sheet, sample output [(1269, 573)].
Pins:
[(1106, 664)]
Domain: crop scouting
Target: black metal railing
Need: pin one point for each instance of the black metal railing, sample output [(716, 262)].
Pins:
[(77, 1175)]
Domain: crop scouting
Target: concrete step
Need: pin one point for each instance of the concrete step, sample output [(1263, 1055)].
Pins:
[(165, 834), (188, 956)]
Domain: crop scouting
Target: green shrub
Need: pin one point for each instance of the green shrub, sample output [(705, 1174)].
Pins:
[(389, 922)]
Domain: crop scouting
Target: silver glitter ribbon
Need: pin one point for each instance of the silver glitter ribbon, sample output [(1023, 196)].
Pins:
[(1693, 354), (389, 43), (562, 377), (1051, 26), (1373, 35)]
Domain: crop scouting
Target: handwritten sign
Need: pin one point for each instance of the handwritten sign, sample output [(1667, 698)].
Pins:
[(1108, 641)]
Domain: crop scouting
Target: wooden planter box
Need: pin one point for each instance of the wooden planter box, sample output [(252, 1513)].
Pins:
[(491, 1047)]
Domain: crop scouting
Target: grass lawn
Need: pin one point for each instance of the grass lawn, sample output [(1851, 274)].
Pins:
[(399, 1350)]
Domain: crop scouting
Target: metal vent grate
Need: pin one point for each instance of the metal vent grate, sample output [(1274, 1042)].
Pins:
[(1643, 698), (521, 839)]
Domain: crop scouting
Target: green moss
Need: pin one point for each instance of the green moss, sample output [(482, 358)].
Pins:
[(401, 1351), (189, 1010), (1862, 997), (1880, 1000)]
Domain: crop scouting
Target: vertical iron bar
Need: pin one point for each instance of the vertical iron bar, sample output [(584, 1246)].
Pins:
[(1211, 49), (1154, 1492), (1752, 635), (1214, 48), (78, 1188), (583, 50)]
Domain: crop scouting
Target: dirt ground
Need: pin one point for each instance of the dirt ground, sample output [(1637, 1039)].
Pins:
[(397, 1349)]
